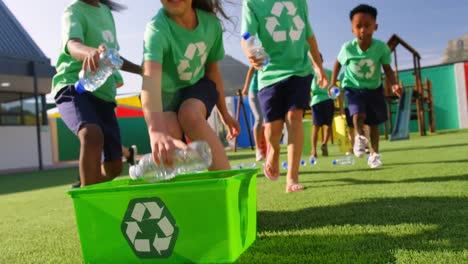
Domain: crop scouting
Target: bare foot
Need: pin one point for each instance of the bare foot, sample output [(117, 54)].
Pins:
[(296, 187)]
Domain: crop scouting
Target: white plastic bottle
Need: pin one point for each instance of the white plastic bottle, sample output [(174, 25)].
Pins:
[(247, 165), (345, 160), (109, 63), (196, 158), (256, 49), (334, 92)]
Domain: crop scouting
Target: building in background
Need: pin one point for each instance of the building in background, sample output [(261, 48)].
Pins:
[(25, 79), (457, 50)]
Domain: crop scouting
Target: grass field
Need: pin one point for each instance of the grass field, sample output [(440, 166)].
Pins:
[(412, 210)]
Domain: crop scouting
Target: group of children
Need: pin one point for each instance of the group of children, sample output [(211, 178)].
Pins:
[(182, 83)]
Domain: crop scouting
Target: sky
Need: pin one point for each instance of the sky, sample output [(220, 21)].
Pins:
[(427, 25)]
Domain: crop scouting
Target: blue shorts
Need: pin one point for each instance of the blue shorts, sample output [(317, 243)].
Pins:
[(367, 101), (323, 113), (77, 110), (204, 90), (288, 94)]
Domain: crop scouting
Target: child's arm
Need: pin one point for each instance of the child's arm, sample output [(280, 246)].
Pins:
[(162, 144), (129, 66), (88, 55), (212, 72), (314, 53), (248, 79), (334, 77), (390, 75)]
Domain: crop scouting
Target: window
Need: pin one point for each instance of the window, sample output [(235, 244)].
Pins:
[(19, 109)]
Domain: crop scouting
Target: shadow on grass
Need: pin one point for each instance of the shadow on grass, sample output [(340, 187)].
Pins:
[(348, 181), (426, 147), (27, 181), (444, 219)]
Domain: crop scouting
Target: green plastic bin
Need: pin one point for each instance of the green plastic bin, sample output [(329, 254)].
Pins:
[(202, 218)]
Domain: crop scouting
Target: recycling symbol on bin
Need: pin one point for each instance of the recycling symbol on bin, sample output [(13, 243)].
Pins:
[(189, 56), (272, 22), (149, 228)]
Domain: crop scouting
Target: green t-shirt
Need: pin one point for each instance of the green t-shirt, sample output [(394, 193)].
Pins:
[(253, 86), (318, 94), (93, 26), (363, 68), (183, 53), (283, 28)]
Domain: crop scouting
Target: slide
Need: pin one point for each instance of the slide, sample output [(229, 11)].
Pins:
[(401, 127)]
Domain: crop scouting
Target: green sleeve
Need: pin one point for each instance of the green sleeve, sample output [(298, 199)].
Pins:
[(387, 55), (155, 44), (72, 28), (249, 19), (309, 32), (217, 51), (342, 56)]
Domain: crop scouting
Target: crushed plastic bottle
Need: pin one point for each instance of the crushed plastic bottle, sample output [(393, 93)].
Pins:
[(247, 165), (109, 63), (196, 158), (345, 160), (256, 49)]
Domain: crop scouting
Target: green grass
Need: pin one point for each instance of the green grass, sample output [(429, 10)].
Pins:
[(412, 210)]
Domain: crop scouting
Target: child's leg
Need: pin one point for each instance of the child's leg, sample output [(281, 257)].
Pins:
[(192, 118), (358, 122), (254, 104), (273, 131), (91, 145), (374, 138), (326, 137), (295, 143), (351, 139), (313, 151)]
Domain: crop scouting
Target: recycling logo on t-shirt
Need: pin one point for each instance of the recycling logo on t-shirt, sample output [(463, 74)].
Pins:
[(365, 68), (191, 58), (272, 22), (149, 228)]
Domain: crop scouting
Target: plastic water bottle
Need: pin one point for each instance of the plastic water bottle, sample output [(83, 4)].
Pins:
[(313, 161), (248, 165), (196, 158), (284, 164), (109, 63), (345, 160), (334, 92), (256, 49)]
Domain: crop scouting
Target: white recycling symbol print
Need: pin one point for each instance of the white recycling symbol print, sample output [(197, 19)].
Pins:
[(149, 228), (365, 68), (189, 55), (272, 22)]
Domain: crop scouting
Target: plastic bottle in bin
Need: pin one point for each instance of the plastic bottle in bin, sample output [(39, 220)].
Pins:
[(334, 92), (109, 63), (197, 157), (345, 160), (256, 49)]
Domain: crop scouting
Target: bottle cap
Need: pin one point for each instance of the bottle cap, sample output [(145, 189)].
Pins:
[(246, 35), (334, 162), (79, 88)]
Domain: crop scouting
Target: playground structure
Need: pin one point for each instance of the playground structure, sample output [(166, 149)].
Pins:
[(421, 97)]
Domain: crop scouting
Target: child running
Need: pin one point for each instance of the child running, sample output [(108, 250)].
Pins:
[(284, 84), (251, 89), (181, 79), (363, 57)]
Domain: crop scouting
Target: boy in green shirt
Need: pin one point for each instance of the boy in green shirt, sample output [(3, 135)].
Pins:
[(362, 82)]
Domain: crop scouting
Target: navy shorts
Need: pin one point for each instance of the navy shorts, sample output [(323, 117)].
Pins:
[(368, 101), (77, 110), (289, 94), (349, 119), (323, 113), (204, 90)]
